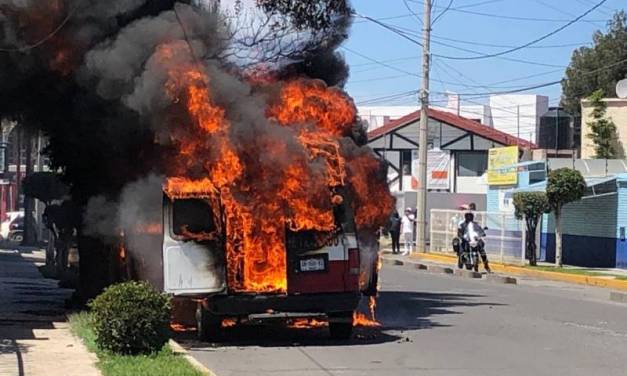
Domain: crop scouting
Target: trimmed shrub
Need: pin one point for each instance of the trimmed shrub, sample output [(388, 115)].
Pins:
[(131, 318)]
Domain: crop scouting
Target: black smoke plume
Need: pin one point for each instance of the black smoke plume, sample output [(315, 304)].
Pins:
[(83, 72)]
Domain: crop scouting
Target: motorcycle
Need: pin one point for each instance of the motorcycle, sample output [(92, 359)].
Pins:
[(468, 251)]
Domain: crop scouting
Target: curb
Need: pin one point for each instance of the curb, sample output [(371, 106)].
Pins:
[(501, 279), (619, 297), (516, 270), (178, 349), (439, 269), (467, 274)]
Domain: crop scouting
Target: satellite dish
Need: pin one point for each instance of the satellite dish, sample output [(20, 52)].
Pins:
[(621, 89)]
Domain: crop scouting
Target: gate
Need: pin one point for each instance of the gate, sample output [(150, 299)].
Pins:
[(505, 236)]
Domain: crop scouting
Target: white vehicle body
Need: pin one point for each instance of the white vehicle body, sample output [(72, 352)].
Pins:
[(5, 226)]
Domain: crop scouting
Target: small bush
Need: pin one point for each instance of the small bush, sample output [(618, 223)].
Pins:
[(131, 318)]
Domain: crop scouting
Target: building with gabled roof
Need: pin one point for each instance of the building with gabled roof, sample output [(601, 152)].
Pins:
[(458, 151)]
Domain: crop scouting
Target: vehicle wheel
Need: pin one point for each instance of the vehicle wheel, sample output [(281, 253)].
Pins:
[(208, 325), (341, 325)]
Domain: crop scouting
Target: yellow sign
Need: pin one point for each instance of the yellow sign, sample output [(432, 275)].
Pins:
[(502, 168)]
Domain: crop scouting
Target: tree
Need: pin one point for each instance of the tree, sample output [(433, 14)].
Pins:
[(602, 129), (530, 206), (46, 187), (564, 186), (587, 70)]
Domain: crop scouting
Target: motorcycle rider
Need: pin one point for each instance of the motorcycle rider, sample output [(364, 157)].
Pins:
[(469, 220)]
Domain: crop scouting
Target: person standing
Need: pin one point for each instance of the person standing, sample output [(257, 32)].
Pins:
[(407, 229), (394, 227)]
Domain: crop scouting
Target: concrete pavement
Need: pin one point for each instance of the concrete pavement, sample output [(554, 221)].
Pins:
[(34, 338), (446, 326)]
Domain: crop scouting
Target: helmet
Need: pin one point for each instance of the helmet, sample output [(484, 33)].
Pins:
[(469, 216)]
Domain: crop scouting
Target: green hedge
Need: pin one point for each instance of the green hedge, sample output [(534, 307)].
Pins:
[(131, 318)]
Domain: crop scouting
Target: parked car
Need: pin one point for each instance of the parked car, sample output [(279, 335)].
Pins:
[(16, 230), (5, 226)]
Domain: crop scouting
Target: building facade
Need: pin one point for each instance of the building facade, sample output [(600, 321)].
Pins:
[(457, 157), (617, 112), (518, 114)]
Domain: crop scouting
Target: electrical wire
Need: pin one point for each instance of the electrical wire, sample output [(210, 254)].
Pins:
[(530, 43), (405, 35), (44, 39), (448, 7)]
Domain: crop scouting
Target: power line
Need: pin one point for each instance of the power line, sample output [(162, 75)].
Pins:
[(516, 18), (408, 73), (448, 7), (44, 39), (405, 35), (474, 43), (525, 45)]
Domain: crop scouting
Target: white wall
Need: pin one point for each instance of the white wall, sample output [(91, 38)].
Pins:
[(376, 116), (472, 184), (504, 117), (482, 113)]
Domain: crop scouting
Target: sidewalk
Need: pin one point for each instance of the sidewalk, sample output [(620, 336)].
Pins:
[(34, 338), (513, 270)]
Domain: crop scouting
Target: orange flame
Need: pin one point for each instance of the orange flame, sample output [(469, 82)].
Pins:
[(360, 319), (256, 202), (311, 101), (304, 323), (180, 328), (229, 322)]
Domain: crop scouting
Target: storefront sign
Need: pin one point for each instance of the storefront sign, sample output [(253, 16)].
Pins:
[(502, 166)]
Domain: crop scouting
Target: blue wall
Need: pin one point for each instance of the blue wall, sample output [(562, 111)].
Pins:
[(591, 231), (587, 251), (621, 244)]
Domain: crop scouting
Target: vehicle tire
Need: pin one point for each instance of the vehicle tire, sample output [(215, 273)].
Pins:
[(208, 325), (17, 237), (341, 325)]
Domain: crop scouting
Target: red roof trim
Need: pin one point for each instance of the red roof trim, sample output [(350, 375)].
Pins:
[(455, 121)]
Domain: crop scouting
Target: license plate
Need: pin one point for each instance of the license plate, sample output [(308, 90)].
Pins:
[(312, 264)]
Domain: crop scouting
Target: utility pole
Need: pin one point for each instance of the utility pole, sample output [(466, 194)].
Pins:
[(421, 206)]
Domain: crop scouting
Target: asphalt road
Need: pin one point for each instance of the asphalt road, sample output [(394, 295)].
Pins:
[(445, 326)]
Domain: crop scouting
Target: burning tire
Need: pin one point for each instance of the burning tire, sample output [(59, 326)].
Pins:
[(341, 325), (209, 326)]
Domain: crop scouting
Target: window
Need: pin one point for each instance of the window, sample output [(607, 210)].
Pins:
[(192, 216), (406, 161), (471, 163)]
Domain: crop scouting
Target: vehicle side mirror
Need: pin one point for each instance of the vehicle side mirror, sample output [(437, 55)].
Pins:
[(485, 228)]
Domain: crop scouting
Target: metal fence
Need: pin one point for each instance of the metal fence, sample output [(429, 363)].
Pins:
[(505, 237)]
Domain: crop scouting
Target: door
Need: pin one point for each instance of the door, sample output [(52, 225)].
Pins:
[(193, 257)]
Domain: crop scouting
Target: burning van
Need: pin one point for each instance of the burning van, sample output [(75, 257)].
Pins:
[(317, 272)]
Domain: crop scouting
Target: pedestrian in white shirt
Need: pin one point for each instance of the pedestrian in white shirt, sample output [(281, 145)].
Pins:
[(407, 229)]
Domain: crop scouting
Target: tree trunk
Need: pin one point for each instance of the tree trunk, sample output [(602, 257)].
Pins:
[(18, 169), (532, 225), (29, 238), (558, 239), (96, 261), (50, 249)]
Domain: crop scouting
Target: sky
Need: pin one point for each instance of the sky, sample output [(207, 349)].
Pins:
[(386, 68)]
